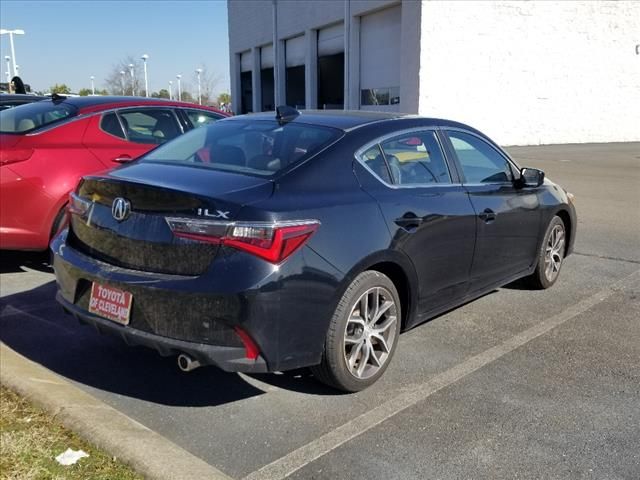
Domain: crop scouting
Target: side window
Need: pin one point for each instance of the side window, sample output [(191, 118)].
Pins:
[(150, 125), (111, 125), (374, 159), (416, 159), (480, 162), (201, 117)]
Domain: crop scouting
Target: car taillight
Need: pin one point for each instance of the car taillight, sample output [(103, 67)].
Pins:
[(8, 155), (273, 242)]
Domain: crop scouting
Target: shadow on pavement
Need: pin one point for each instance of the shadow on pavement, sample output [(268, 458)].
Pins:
[(12, 261), (39, 330)]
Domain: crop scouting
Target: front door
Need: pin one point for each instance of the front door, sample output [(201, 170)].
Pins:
[(428, 213), (507, 217)]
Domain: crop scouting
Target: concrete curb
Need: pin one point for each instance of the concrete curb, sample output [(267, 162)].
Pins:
[(146, 451)]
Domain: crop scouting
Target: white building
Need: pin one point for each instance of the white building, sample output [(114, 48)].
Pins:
[(530, 72)]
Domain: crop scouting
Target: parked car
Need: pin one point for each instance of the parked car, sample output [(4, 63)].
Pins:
[(16, 99), (45, 147), (270, 242)]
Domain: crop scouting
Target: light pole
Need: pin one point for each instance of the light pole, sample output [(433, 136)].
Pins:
[(170, 90), (146, 81), (11, 33), (8, 59), (122, 80), (179, 88), (199, 71), (133, 81), (93, 88)]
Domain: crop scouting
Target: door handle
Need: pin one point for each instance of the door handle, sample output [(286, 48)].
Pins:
[(488, 215), (408, 221), (123, 159)]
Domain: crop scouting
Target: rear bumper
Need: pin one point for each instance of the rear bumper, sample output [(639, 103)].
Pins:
[(230, 359), (285, 310)]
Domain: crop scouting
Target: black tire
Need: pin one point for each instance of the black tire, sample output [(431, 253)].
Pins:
[(343, 328), (541, 277)]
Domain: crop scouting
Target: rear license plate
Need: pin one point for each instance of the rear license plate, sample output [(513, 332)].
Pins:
[(110, 303)]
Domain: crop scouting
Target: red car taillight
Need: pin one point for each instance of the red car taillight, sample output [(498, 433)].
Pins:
[(8, 155), (273, 242)]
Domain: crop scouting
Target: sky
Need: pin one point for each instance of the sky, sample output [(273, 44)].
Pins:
[(69, 41)]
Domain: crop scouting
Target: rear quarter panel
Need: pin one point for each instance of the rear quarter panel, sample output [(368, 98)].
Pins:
[(57, 164)]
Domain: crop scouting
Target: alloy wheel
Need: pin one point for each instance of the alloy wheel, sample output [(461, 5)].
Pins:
[(370, 332), (554, 252)]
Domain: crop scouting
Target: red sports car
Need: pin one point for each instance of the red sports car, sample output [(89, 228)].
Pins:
[(46, 146)]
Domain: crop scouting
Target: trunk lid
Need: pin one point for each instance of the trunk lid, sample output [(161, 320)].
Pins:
[(142, 240)]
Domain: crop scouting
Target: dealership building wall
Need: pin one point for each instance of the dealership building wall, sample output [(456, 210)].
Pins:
[(524, 72)]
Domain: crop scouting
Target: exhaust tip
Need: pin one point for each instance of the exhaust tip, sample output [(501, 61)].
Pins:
[(186, 363)]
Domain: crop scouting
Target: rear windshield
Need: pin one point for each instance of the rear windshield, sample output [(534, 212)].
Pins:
[(26, 118), (252, 146)]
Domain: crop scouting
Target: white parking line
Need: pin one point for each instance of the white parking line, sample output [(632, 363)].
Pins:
[(285, 466)]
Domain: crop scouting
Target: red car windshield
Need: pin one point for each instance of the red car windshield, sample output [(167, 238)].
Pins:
[(30, 117)]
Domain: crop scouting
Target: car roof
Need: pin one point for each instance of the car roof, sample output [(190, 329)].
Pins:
[(97, 103), (348, 120), (20, 96)]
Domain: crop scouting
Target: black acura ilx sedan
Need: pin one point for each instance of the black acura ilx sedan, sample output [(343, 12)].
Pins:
[(274, 241)]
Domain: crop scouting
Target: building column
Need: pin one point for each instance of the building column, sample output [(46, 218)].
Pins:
[(236, 88), (347, 50), (256, 79), (279, 64), (352, 63), (410, 45), (311, 69)]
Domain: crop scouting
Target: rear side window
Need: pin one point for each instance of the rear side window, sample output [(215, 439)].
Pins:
[(416, 159), (254, 147), (111, 125), (35, 115), (199, 118), (150, 125)]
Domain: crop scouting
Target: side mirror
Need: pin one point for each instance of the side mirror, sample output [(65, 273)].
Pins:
[(531, 177)]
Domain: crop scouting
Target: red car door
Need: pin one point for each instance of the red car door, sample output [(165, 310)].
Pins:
[(106, 139)]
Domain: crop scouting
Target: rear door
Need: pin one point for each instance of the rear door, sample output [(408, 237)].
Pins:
[(507, 218), (124, 135), (427, 210)]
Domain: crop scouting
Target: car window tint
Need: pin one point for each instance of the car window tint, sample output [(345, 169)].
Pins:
[(34, 115), (416, 159), (150, 125), (111, 125), (374, 159), (480, 162), (253, 147), (200, 117)]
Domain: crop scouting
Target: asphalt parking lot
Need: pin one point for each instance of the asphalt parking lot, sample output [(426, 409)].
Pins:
[(517, 384)]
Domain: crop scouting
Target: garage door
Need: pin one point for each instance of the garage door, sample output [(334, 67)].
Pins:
[(331, 40), (266, 57), (246, 62), (294, 50), (380, 60)]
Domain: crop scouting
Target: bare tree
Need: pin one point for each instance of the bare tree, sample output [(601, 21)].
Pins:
[(116, 82), (209, 82)]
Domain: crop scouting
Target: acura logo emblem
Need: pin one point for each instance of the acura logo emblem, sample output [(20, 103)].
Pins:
[(120, 209)]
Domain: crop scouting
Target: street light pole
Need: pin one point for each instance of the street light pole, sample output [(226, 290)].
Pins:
[(93, 88), (170, 90), (199, 71), (13, 51), (179, 88), (8, 59), (122, 80), (133, 82), (146, 81)]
